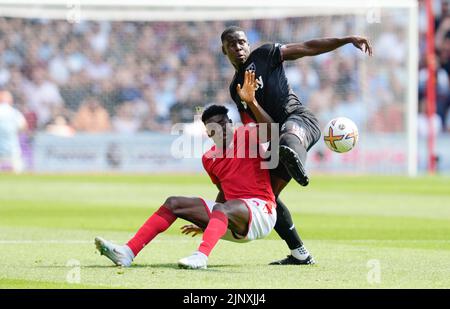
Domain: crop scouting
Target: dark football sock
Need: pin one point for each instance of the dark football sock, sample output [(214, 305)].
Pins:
[(285, 227)]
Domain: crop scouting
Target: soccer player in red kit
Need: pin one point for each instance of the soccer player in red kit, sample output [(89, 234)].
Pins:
[(245, 207)]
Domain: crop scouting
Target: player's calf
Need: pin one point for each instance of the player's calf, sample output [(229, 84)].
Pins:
[(286, 229)]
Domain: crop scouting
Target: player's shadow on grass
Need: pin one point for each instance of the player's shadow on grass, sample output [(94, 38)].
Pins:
[(216, 267), (175, 266), (69, 267)]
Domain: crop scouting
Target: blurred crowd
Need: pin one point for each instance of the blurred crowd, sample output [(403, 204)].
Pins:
[(441, 63), (144, 76)]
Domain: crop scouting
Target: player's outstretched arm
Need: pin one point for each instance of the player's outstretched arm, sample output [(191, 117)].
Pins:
[(315, 47)]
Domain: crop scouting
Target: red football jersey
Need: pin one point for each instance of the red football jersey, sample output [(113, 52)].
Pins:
[(239, 171), (246, 119)]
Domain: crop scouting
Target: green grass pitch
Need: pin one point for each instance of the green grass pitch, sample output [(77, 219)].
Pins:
[(364, 232)]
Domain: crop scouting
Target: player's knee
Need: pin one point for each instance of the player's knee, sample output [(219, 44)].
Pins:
[(288, 126), (289, 139), (293, 134), (172, 203), (316, 135), (222, 208)]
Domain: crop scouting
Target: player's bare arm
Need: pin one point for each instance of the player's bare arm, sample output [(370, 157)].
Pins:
[(220, 196), (247, 94), (315, 47)]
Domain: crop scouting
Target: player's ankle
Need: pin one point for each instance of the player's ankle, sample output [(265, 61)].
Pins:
[(300, 253), (201, 255), (128, 252)]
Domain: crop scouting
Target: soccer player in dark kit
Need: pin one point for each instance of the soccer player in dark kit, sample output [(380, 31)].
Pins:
[(299, 128)]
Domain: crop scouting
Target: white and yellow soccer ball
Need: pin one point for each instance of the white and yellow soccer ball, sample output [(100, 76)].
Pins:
[(340, 134)]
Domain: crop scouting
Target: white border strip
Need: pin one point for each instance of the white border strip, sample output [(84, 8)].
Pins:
[(218, 3), (22, 242), (181, 10), (173, 15)]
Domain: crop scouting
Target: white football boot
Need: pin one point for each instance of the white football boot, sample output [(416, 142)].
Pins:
[(120, 255), (196, 261)]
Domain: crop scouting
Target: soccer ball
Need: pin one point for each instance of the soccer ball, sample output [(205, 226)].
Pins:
[(340, 134)]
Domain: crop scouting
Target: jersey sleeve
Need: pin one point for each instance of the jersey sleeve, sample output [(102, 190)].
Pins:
[(207, 168), (271, 52)]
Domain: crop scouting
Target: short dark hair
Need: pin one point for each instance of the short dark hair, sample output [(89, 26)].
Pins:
[(229, 30), (214, 110)]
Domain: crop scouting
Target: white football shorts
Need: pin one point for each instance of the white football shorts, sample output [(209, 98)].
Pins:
[(263, 216)]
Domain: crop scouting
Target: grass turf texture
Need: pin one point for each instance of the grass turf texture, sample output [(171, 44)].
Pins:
[(350, 224)]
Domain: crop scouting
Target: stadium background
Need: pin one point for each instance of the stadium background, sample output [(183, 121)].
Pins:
[(96, 94)]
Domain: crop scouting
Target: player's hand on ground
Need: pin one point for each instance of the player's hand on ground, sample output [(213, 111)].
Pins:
[(191, 228), (247, 91), (362, 44)]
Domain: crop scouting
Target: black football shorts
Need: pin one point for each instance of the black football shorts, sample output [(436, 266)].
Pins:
[(305, 124)]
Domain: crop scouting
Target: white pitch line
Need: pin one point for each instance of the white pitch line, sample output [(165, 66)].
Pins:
[(50, 241), (396, 240), (55, 241), (7, 242)]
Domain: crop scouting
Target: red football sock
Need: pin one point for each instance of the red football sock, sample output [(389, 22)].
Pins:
[(157, 223), (217, 227)]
